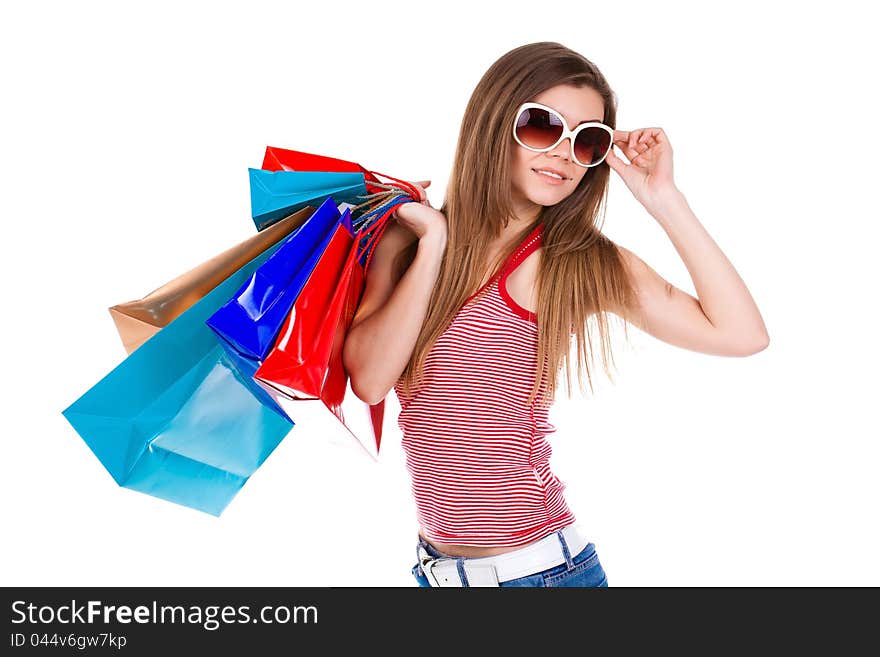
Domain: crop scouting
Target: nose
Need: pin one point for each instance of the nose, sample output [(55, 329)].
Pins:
[(563, 149)]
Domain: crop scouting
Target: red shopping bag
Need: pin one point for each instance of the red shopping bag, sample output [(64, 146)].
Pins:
[(306, 362), (297, 363), (283, 159)]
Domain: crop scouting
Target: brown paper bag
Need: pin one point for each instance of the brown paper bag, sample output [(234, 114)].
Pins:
[(137, 321)]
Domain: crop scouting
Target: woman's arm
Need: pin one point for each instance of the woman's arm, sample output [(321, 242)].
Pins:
[(388, 321), (724, 321)]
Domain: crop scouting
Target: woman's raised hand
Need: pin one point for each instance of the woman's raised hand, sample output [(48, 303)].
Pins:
[(419, 217)]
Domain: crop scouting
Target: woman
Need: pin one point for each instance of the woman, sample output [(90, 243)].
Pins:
[(462, 304)]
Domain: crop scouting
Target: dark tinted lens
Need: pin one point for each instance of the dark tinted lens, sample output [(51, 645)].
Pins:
[(538, 128), (592, 144)]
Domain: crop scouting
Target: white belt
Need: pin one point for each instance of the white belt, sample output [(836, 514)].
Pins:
[(490, 571)]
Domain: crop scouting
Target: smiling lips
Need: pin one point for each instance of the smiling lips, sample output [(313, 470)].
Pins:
[(552, 176)]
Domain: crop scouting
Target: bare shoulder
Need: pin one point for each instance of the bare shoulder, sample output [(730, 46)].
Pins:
[(643, 277), (607, 254), (635, 266)]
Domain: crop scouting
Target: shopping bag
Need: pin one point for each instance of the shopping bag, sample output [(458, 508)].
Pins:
[(297, 363), (284, 159), (249, 322), (349, 413), (306, 361), (275, 194), (176, 419), (137, 321)]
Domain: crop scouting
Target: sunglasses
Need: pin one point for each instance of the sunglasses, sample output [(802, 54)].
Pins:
[(540, 128)]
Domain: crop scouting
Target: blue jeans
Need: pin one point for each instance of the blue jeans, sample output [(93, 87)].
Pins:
[(582, 569)]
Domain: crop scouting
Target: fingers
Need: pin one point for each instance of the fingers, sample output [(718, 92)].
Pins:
[(637, 143), (634, 139), (626, 140), (631, 153), (420, 185), (639, 140)]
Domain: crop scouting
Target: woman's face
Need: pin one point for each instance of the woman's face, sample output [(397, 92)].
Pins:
[(532, 189)]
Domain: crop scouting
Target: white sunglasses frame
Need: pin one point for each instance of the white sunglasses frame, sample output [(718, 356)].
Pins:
[(565, 133)]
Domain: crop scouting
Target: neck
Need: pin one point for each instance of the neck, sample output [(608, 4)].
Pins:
[(524, 214)]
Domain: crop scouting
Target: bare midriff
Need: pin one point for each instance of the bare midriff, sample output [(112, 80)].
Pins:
[(471, 550)]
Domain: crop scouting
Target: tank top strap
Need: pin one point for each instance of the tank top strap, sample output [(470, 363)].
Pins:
[(529, 244)]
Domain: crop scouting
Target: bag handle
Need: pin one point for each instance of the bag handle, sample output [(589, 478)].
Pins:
[(409, 187), (382, 221), (378, 227)]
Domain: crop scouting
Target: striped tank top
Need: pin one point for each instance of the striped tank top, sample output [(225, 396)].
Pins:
[(476, 451)]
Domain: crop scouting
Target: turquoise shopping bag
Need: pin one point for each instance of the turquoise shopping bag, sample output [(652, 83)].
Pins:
[(276, 194), (176, 419)]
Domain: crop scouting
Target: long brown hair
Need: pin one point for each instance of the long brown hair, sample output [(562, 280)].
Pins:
[(581, 273)]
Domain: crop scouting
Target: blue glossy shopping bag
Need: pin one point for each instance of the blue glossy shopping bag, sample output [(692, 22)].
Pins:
[(177, 419), (276, 194), (249, 322)]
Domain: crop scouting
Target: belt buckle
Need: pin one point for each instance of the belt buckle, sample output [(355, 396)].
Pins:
[(481, 575), (426, 563), (477, 574)]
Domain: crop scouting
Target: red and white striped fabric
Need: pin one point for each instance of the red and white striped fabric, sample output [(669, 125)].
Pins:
[(476, 451)]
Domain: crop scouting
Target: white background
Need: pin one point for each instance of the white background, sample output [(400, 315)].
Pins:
[(126, 136)]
